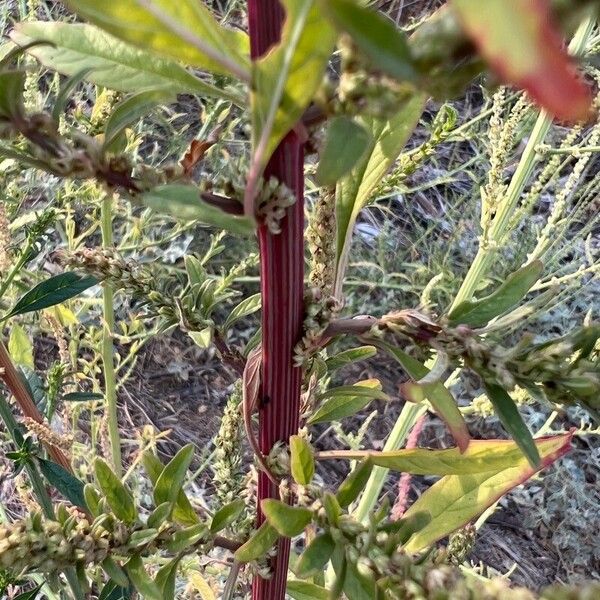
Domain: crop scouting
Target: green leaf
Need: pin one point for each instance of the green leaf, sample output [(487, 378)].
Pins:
[(110, 62), (92, 499), (315, 556), (52, 291), (202, 339), (19, 346), (113, 591), (246, 307), (355, 585), (159, 515), (405, 527), (82, 396), (353, 192), (509, 416), (115, 572), (183, 511), (227, 514), (377, 36), (166, 577), (455, 500), (288, 521), (304, 590), (479, 313), (348, 357), (438, 395), (12, 84), (68, 485), (132, 110), (347, 400), (141, 580), (118, 497), (185, 202), (185, 31), (345, 144), (185, 538), (302, 460), (258, 545), (355, 483), (171, 480), (286, 78)]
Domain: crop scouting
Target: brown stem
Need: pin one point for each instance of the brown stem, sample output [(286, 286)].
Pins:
[(13, 382)]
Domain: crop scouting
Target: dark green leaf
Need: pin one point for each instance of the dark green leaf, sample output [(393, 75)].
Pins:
[(11, 94), (166, 577), (159, 515), (288, 521), (404, 528), (348, 357), (478, 313), (115, 572), (227, 514), (509, 416), (185, 202), (355, 483), (184, 538), (68, 485), (52, 291), (82, 396), (113, 591), (376, 35), (315, 556), (131, 110), (170, 481), (304, 590), (302, 460), (345, 144), (258, 545), (118, 497)]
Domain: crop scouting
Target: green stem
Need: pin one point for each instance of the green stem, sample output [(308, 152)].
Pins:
[(108, 350), (408, 416)]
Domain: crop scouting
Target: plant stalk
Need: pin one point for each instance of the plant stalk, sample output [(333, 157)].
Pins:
[(282, 290), (108, 350)]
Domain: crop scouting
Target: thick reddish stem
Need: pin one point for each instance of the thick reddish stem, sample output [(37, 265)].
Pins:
[(282, 276)]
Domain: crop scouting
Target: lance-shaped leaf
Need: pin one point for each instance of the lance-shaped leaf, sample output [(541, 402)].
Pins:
[(347, 357), (439, 396), (246, 307), (355, 483), (109, 62), (185, 202), (52, 291), (302, 460), (286, 79), (481, 456), (346, 400), (377, 36), (66, 483), (353, 192), (315, 556), (227, 514), (478, 313), (345, 144), (509, 416), (457, 499), (185, 31), (304, 590), (519, 41), (118, 497), (130, 110), (171, 480)]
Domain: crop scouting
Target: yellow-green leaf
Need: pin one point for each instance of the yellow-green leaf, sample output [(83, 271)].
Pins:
[(19, 346), (201, 586), (289, 521), (302, 461), (353, 192), (257, 546), (185, 31), (457, 499)]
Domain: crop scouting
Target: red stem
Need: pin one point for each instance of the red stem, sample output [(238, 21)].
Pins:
[(282, 288)]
